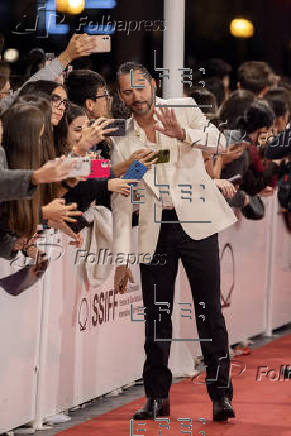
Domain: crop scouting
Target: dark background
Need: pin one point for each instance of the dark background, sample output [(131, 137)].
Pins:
[(207, 33)]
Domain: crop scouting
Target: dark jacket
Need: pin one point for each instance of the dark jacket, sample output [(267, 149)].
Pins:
[(85, 192), (280, 146)]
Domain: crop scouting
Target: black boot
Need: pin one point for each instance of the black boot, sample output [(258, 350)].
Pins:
[(222, 409), (162, 406)]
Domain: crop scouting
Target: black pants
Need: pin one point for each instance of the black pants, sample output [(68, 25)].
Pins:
[(200, 259)]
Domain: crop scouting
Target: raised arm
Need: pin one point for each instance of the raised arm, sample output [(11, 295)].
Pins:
[(79, 46), (198, 132)]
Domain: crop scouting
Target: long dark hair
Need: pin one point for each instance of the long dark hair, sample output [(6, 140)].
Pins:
[(22, 125), (47, 140), (46, 87), (48, 191)]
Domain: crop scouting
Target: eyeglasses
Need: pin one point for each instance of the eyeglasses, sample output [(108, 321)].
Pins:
[(78, 129), (58, 100), (105, 95)]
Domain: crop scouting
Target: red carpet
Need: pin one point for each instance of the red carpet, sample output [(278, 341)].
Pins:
[(263, 408)]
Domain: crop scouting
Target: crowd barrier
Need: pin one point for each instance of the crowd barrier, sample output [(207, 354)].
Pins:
[(64, 342)]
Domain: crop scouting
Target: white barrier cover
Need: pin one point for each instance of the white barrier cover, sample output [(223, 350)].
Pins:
[(281, 273), (91, 346), (20, 327)]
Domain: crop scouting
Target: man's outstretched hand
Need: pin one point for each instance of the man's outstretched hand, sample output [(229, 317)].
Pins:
[(171, 127)]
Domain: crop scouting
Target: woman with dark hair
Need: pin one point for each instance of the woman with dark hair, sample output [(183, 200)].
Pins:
[(47, 151), (44, 200), (77, 120), (258, 118), (256, 125), (57, 94), (23, 126), (49, 191)]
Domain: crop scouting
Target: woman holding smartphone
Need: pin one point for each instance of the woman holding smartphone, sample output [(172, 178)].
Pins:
[(81, 137)]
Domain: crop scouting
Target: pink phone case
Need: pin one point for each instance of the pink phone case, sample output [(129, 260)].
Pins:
[(100, 168)]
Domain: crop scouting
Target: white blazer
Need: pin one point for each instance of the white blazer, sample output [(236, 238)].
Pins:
[(206, 214)]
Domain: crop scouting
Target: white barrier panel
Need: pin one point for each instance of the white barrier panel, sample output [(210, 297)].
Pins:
[(19, 326), (244, 274), (91, 346), (280, 286)]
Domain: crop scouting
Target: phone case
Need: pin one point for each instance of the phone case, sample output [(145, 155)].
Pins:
[(163, 156), (100, 168), (237, 179), (117, 124), (135, 171), (103, 43), (81, 167)]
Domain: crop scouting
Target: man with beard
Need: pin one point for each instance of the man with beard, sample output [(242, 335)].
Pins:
[(178, 226)]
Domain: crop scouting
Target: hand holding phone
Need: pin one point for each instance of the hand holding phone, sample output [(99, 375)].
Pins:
[(100, 168), (119, 126), (102, 43), (162, 156), (135, 171), (95, 133), (81, 166), (91, 168), (235, 180)]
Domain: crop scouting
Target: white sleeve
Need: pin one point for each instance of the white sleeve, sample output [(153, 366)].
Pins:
[(122, 225), (201, 132), (116, 155)]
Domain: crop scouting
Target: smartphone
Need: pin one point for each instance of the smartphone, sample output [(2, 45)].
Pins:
[(119, 125), (49, 57), (236, 180), (102, 43), (90, 168), (163, 156), (135, 171), (81, 166), (100, 168)]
